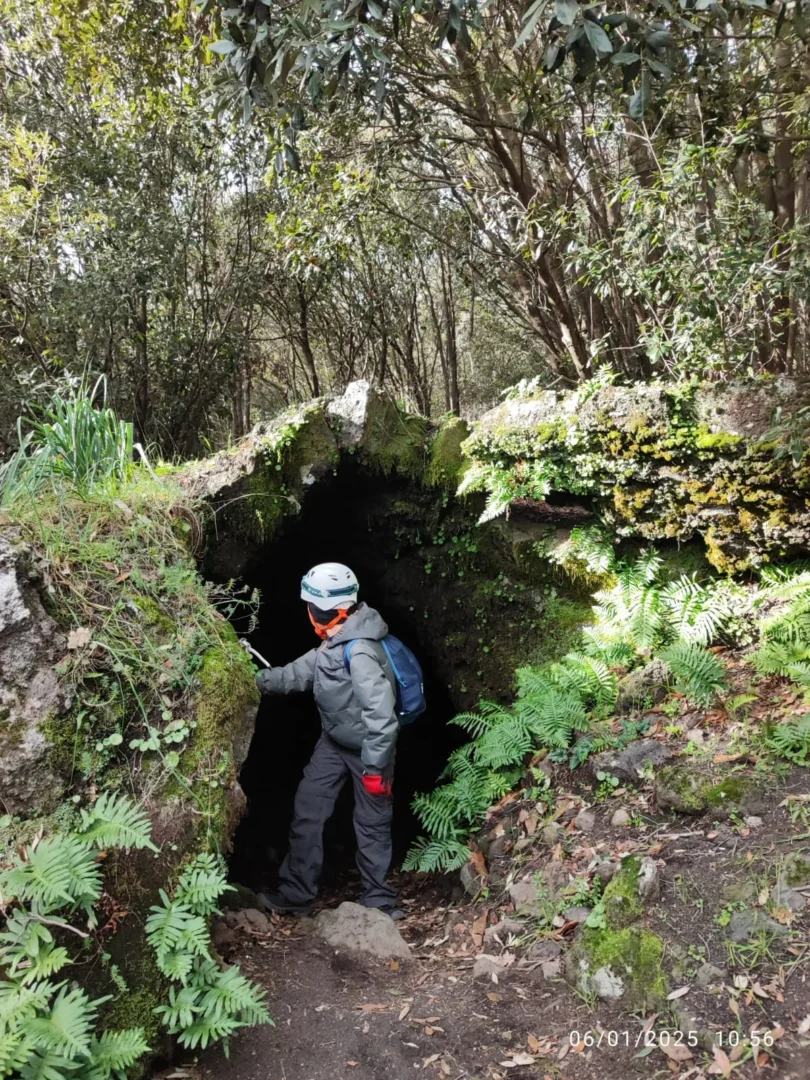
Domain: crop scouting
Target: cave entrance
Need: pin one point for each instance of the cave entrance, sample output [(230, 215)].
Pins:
[(351, 518)]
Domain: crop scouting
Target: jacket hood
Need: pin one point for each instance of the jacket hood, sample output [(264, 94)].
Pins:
[(365, 622)]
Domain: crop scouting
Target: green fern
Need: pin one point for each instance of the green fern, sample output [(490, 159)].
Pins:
[(430, 855), (792, 740), (60, 872), (698, 674), (115, 821), (115, 1052), (202, 882), (67, 1030)]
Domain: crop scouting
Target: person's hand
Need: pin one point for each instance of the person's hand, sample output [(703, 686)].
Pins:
[(376, 784)]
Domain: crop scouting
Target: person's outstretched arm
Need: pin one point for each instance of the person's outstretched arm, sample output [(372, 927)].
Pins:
[(292, 678), (378, 705)]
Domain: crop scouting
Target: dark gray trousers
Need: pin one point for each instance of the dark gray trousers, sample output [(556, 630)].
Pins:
[(315, 799)]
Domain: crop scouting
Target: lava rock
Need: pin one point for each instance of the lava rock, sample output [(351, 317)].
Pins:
[(362, 929), (707, 974), (222, 935), (523, 895), (471, 880), (753, 822), (606, 871), (620, 818), (691, 788), (544, 949), (786, 897), (626, 764), (649, 880), (585, 821), (552, 834), (576, 914), (499, 846), (257, 920), (739, 892), (747, 924), (499, 934)]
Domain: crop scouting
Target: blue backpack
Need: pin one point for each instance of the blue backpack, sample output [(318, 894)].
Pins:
[(408, 674)]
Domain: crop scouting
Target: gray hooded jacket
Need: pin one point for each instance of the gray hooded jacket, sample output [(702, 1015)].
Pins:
[(357, 707)]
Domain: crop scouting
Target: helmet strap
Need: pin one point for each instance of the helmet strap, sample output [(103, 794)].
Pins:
[(321, 628)]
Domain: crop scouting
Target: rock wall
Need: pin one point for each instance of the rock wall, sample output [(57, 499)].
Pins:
[(660, 462)]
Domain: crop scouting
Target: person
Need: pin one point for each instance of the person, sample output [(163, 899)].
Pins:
[(356, 699)]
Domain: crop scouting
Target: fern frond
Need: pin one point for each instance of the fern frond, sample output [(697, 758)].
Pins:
[(202, 883), (553, 717), (429, 856), (792, 740), (60, 872), (114, 1052), (67, 1030), (233, 995), (698, 674), (116, 821)]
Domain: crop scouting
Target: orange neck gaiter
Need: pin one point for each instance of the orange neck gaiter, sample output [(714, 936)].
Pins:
[(321, 628)]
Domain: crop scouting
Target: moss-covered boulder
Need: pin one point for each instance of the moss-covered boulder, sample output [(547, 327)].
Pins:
[(693, 787), (659, 462), (616, 957)]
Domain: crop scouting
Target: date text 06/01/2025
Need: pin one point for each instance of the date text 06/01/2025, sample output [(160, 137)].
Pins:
[(651, 1038)]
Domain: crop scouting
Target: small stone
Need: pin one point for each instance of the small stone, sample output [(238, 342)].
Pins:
[(499, 934), (577, 914), (486, 966), (362, 929), (695, 736), (524, 896), (585, 821), (796, 871), (620, 818), (552, 834), (606, 984), (231, 918), (523, 844), (568, 814), (257, 919), (747, 924), (740, 892), (646, 683), (708, 974), (544, 949), (649, 881), (222, 934), (499, 846), (786, 897), (606, 871), (552, 969), (471, 879), (753, 822)]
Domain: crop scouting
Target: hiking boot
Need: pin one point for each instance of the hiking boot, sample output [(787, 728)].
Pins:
[(395, 914), (278, 902)]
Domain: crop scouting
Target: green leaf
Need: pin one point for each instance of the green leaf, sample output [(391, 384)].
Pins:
[(599, 41), (641, 99), (566, 11), (625, 58), (222, 47), (530, 22)]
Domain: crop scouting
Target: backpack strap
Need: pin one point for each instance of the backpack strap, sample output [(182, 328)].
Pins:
[(394, 667), (347, 658)]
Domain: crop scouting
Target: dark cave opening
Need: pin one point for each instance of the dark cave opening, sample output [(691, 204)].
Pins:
[(340, 521)]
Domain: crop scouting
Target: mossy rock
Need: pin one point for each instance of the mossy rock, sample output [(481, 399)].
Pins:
[(620, 965), (635, 884), (692, 788), (446, 460)]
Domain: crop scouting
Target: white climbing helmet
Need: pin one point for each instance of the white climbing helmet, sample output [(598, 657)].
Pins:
[(330, 585)]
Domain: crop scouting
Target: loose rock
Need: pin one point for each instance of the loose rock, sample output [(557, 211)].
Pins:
[(647, 683), (585, 821), (620, 818), (362, 929), (486, 966), (747, 924), (499, 934), (707, 974), (471, 880), (628, 763)]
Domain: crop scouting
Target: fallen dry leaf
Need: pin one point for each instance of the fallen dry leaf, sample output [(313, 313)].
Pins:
[(721, 1066), (480, 863), (494, 997), (478, 928), (534, 1043), (403, 1012), (368, 1008), (676, 1051), (679, 993)]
